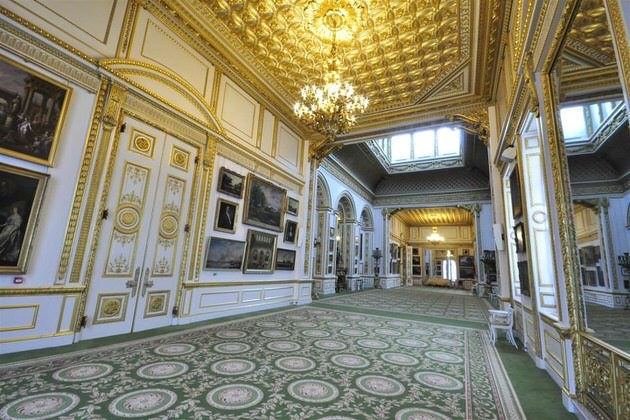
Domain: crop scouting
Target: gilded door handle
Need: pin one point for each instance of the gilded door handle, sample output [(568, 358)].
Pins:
[(147, 283), (131, 284)]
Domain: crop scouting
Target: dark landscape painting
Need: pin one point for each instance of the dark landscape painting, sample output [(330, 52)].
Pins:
[(224, 254), (20, 197), (230, 183), (285, 260), (264, 204), (31, 113)]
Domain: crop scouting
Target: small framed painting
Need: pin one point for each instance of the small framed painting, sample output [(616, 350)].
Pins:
[(230, 183), (31, 113), (225, 217), (261, 250), (224, 254), (21, 193), (290, 232), (264, 204), (293, 206), (285, 260)]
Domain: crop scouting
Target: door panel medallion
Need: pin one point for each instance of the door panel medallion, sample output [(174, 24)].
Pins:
[(157, 303), (110, 308), (142, 143), (179, 158)]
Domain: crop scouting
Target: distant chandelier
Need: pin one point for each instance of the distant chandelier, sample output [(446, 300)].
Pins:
[(331, 109), (435, 238)]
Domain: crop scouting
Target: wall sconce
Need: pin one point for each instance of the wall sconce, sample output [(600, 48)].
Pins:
[(316, 243), (338, 237)]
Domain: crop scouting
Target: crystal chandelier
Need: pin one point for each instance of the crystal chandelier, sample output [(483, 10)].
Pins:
[(435, 238), (331, 109)]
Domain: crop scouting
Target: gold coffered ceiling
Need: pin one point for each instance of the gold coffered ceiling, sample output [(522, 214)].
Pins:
[(438, 216), (407, 54), (590, 42)]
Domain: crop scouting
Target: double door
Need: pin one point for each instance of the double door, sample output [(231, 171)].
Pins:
[(138, 261)]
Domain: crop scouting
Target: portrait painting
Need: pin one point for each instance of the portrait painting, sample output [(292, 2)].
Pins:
[(260, 255), (264, 204), (293, 206), (290, 232), (225, 217), (285, 260), (32, 109), (21, 193), (230, 183), (224, 254)]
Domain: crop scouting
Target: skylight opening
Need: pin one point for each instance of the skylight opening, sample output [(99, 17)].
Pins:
[(579, 122)]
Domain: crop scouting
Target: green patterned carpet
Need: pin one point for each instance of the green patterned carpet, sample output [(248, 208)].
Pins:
[(418, 301), (305, 363)]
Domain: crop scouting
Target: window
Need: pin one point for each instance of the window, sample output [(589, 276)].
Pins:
[(579, 122), (401, 147), (448, 141), (423, 144)]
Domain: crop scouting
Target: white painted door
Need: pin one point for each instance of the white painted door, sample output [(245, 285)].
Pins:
[(164, 247), (138, 259)]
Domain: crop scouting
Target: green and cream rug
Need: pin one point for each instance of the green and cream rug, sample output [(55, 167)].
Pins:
[(304, 363), (451, 304)]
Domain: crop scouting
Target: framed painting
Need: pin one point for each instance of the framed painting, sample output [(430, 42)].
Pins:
[(21, 193), (293, 206), (515, 194), (225, 217), (224, 254), (290, 232), (32, 110), (285, 260), (519, 237), (264, 204), (261, 250), (230, 183)]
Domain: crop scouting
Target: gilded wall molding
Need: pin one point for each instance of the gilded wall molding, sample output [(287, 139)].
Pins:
[(32, 49), (620, 40), (308, 245), (196, 262), (432, 199), (32, 291), (82, 181)]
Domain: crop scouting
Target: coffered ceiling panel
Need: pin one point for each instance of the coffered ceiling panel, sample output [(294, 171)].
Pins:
[(439, 216), (403, 53)]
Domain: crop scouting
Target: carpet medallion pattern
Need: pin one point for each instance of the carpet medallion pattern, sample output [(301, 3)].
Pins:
[(417, 301), (305, 363)]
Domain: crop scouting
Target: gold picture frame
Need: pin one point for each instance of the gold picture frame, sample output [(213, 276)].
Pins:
[(21, 199), (223, 218), (265, 204), (32, 121)]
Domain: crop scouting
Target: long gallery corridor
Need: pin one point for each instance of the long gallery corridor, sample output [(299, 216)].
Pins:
[(404, 353)]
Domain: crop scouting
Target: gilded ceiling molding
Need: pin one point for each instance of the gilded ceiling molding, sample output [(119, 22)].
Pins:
[(181, 21), (474, 122), (33, 49), (127, 28)]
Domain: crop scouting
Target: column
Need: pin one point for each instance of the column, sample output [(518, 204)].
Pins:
[(476, 210), (608, 253)]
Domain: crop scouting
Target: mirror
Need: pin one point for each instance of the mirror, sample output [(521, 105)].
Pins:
[(594, 123)]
